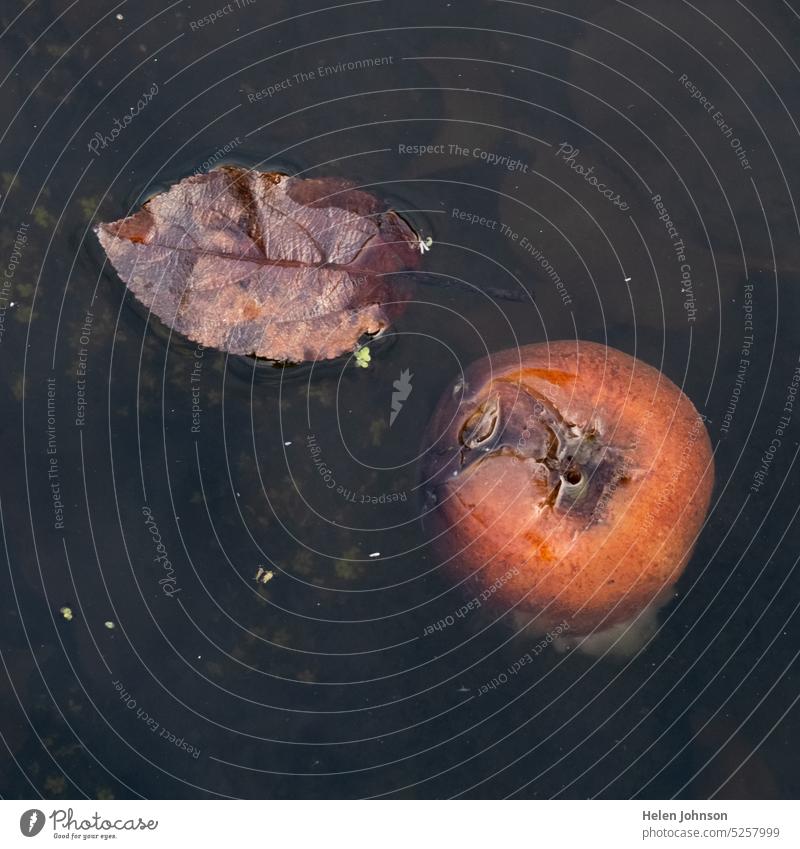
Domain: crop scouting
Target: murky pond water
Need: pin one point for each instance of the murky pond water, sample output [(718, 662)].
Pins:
[(618, 174)]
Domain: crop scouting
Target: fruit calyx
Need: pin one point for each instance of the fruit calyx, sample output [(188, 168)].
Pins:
[(573, 460)]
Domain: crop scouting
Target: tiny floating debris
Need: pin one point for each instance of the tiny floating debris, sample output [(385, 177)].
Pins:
[(109, 624), (66, 612), (375, 554), (363, 357), (263, 576)]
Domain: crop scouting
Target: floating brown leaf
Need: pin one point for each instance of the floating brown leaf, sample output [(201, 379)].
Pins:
[(252, 263)]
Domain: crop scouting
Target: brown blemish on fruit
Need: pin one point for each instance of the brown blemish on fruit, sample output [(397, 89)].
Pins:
[(251, 311), (539, 546), (549, 375)]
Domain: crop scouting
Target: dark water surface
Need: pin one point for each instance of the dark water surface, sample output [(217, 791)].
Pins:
[(322, 682)]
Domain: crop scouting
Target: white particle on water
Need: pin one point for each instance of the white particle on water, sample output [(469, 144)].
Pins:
[(375, 554)]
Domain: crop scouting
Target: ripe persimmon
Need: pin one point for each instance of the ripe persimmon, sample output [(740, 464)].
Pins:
[(567, 481)]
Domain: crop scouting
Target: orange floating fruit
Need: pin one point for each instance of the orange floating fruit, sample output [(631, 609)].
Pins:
[(567, 481)]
